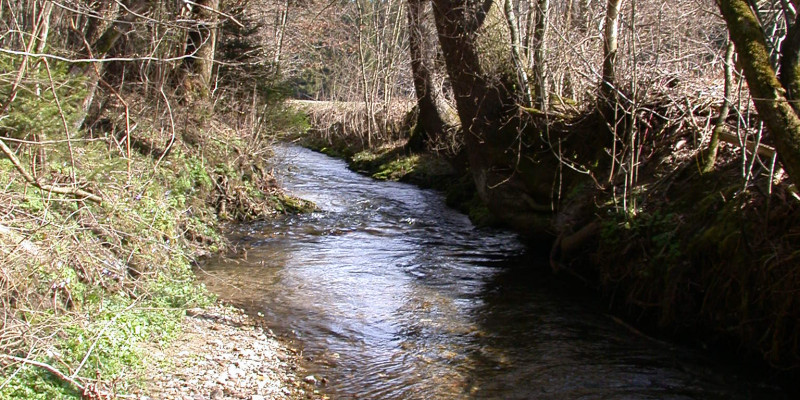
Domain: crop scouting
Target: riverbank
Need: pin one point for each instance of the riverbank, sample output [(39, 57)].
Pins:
[(704, 259), (94, 279), (223, 353)]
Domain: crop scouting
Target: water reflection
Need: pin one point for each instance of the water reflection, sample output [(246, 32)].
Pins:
[(395, 296)]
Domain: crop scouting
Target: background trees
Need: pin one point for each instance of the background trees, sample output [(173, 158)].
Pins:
[(758, 48), (548, 100)]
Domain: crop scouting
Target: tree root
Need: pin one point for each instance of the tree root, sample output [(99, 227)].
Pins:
[(567, 244)]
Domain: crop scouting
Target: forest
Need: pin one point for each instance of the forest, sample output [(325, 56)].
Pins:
[(646, 149)]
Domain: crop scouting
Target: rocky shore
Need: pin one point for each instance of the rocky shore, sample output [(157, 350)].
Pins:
[(222, 353)]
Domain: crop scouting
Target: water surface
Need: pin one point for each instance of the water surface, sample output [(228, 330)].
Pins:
[(392, 295)]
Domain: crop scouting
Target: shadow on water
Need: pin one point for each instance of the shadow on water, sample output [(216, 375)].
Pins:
[(549, 340), (394, 296)]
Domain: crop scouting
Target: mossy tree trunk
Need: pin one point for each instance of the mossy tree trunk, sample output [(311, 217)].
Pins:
[(490, 117), (480, 104), (790, 62), (773, 100), (432, 108)]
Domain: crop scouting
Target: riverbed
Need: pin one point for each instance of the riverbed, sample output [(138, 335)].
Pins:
[(393, 295)]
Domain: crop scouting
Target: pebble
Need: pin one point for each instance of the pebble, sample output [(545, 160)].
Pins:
[(220, 355)]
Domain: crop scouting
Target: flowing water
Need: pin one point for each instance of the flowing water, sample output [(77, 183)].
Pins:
[(392, 295)]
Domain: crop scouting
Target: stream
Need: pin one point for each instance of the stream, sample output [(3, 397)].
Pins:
[(392, 295)]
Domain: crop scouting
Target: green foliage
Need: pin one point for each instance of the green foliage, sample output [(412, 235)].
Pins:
[(193, 177), (282, 119), (656, 230), (31, 383), (34, 110), (110, 336)]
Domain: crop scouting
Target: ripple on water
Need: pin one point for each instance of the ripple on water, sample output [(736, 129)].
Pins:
[(395, 296)]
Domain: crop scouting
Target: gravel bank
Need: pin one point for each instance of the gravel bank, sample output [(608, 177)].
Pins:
[(222, 353)]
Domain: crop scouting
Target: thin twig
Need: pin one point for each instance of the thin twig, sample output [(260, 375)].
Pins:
[(220, 13), (63, 121), (172, 129)]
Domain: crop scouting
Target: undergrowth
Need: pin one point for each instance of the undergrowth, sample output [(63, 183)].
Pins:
[(84, 284), (710, 259)]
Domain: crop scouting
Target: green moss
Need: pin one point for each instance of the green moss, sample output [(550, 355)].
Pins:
[(399, 168), (291, 205)]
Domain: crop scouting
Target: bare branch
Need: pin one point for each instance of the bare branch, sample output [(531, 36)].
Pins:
[(49, 368), (73, 191), (220, 13)]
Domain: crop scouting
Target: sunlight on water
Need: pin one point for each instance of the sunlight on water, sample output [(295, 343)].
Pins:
[(394, 296)]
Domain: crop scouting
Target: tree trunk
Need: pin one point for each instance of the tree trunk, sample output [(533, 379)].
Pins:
[(431, 106), (99, 48), (608, 87), (710, 155), (201, 47), (519, 67), (540, 54), (530, 26), (769, 95), (362, 62), (482, 107), (280, 34)]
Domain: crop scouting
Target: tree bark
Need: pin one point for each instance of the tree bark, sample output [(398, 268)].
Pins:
[(769, 95), (608, 87), (540, 54), (431, 105), (790, 64), (201, 46), (519, 67)]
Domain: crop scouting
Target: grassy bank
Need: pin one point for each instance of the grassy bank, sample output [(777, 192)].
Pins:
[(710, 259), (86, 281)]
